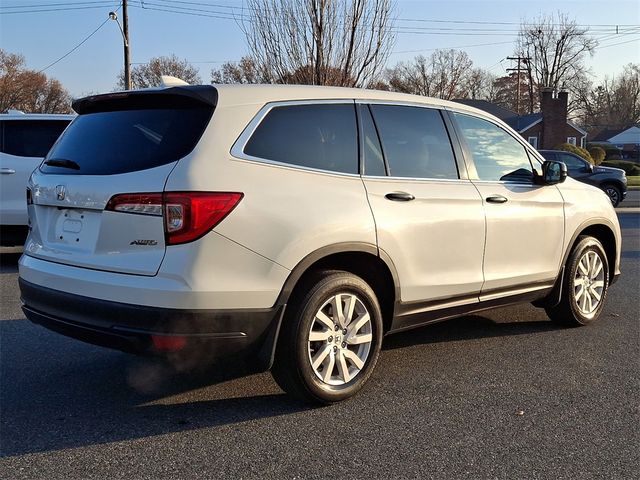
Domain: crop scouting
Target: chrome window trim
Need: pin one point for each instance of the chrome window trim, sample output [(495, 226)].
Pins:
[(466, 181), (237, 150), (507, 183)]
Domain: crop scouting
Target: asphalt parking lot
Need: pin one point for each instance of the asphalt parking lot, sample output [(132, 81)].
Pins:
[(505, 394)]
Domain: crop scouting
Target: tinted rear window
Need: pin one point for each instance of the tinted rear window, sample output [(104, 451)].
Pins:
[(321, 136), (31, 138), (108, 143)]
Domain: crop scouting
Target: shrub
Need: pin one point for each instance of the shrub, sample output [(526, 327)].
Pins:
[(611, 153), (598, 154), (567, 147), (631, 168)]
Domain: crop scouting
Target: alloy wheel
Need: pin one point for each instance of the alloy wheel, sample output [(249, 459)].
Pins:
[(340, 339), (588, 283)]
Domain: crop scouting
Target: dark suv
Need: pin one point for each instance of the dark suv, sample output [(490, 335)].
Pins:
[(612, 180)]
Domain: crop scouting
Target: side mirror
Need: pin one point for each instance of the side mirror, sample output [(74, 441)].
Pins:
[(553, 172), (590, 167)]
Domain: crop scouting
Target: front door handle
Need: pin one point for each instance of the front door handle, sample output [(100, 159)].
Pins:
[(7, 171), (496, 199), (399, 196)]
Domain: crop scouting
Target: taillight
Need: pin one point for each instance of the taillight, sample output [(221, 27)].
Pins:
[(140, 203), (187, 215)]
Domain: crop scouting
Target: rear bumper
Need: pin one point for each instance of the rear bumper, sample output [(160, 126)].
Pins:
[(143, 329)]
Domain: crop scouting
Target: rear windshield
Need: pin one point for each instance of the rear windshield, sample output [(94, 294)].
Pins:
[(112, 142)]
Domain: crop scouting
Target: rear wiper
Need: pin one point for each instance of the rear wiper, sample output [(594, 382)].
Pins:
[(63, 163)]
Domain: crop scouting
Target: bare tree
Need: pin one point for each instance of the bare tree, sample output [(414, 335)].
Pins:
[(479, 84), (554, 48), (28, 90), (614, 103), (449, 69), (148, 74), (320, 42), (412, 77), (244, 71), (506, 92), (446, 74)]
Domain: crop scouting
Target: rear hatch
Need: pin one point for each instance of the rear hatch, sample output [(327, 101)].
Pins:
[(96, 200)]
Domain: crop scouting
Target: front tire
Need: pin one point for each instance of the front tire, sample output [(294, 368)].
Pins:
[(614, 194), (585, 284), (330, 339)]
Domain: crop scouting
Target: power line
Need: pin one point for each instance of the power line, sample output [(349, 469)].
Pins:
[(457, 46), (77, 46), (619, 43), (63, 9), (64, 4)]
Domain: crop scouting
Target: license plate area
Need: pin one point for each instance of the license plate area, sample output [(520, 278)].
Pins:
[(77, 228)]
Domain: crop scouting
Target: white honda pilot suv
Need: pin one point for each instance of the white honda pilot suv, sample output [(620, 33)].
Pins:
[(296, 226)]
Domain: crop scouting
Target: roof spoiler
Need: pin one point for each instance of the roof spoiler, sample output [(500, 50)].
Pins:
[(172, 97)]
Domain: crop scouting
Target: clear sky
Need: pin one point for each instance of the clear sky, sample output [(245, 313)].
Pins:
[(206, 34)]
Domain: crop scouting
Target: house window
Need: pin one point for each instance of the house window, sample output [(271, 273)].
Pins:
[(571, 140), (533, 141), (582, 140)]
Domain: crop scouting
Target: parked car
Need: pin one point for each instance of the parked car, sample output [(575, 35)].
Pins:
[(296, 226), (24, 140), (613, 181)]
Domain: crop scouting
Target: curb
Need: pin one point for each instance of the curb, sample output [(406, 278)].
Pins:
[(10, 250), (628, 210)]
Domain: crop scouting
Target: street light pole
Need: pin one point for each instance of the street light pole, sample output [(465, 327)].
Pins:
[(125, 39)]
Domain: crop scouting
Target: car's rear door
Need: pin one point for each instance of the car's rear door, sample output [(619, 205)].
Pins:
[(121, 146), (429, 217), (525, 221)]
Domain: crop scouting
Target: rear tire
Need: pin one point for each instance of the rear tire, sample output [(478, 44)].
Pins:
[(614, 194), (330, 338), (584, 286)]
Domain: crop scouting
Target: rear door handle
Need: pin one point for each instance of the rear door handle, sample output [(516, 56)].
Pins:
[(399, 196), (496, 199), (7, 171)]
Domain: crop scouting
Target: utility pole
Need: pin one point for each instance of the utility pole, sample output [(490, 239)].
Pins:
[(125, 33), (518, 70)]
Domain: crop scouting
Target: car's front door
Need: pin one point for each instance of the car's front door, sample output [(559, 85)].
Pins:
[(429, 219), (525, 221)]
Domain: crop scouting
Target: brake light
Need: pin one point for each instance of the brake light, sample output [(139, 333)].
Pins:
[(187, 215)]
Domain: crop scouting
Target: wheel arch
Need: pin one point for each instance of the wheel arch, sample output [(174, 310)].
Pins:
[(363, 259), (600, 229), (604, 232)]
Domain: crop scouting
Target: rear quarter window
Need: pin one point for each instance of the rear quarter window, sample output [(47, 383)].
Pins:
[(320, 136), (30, 138), (121, 141)]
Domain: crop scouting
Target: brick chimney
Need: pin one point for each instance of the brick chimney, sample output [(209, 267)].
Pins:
[(554, 117)]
